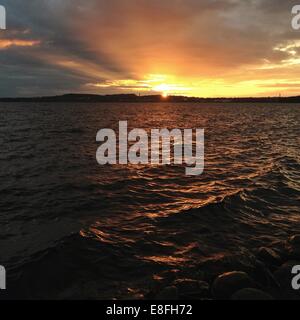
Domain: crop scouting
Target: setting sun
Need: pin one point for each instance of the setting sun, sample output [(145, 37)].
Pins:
[(164, 89), (173, 87)]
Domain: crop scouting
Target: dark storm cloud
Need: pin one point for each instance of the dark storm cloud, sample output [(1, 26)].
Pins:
[(50, 23)]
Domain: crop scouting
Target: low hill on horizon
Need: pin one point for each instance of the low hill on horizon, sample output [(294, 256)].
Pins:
[(147, 98)]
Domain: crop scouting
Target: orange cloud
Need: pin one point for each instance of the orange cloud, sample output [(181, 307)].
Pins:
[(7, 43)]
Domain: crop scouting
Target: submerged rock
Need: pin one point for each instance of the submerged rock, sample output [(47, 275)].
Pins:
[(228, 283), (295, 240), (72, 293), (293, 247), (168, 293), (251, 294), (264, 276), (269, 256), (244, 261), (80, 291), (189, 289)]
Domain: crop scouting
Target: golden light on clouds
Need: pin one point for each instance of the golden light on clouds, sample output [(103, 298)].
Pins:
[(201, 48), (200, 88), (5, 43), (207, 78), (153, 83)]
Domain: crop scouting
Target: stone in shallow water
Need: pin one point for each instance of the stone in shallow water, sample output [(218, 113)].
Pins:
[(293, 247), (72, 293), (269, 256), (295, 240), (294, 253), (228, 283), (251, 294), (168, 293), (189, 288), (243, 261), (264, 276)]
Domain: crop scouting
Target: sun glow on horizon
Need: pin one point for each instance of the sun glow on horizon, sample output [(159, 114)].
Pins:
[(164, 89), (166, 85), (172, 85)]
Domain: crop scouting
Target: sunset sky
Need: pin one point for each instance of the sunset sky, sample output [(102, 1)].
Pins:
[(201, 48)]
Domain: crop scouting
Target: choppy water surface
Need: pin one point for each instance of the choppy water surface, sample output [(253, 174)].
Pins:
[(67, 222)]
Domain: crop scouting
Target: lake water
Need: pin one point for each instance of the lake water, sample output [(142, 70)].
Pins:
[(68, 223)]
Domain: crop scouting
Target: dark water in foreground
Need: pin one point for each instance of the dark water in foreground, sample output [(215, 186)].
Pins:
[(68, 222)]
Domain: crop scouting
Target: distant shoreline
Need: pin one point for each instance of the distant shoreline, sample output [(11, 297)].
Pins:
[(127, 98)]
